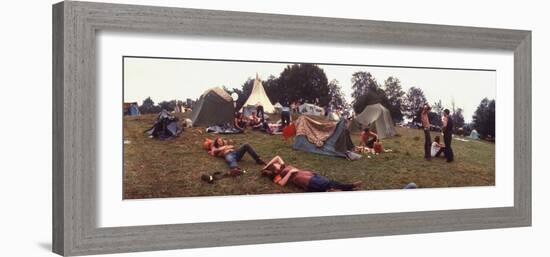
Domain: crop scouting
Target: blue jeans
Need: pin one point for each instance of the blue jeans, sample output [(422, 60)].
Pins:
[(234, 157), (427, 144), (320, 183), (448, 138), (285, 118)]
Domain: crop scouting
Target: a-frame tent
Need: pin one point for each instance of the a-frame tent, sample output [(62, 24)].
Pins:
[(214, 107), (378, 115)]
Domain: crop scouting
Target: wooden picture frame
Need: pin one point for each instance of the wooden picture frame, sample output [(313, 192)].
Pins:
[(74, 131)]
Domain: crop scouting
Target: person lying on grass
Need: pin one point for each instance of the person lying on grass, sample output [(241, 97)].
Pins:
[(437, 147), (282, 173), (222, 148)]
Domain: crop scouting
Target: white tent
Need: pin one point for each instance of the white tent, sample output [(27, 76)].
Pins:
[(474, 134), (378, 115), (258, 96), (311, 109), (278, 106)]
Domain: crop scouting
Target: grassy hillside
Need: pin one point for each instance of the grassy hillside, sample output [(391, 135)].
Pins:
[(172, 168)]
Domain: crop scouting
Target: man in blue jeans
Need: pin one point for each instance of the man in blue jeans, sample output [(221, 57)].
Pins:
[(448, 134), (222, 148), (424, 117)]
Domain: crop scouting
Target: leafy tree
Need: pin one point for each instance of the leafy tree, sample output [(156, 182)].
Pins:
[(302, 82), (458, 118), (148, 106), (244, 92), (394, 94), (271, 86), (372, 97), (438, 108), (335, 93), (414, 101), (435, 119), (366, 91), (484, 118), (167, 105), (362, 83)]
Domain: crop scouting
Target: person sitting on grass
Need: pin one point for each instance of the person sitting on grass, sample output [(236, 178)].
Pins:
[(282, 173), (368, 138), (437, 147), (254, 121), (222, 148), (240, 122)]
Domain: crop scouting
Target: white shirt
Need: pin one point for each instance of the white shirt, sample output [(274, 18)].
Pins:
[(435, 148)]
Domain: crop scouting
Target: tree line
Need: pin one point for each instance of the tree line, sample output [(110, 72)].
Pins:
[(308, 83), (149, 106)]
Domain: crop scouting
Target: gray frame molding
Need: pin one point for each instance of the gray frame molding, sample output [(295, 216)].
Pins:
[(74, 153)]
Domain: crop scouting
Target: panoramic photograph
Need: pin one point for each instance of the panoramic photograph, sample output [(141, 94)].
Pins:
[(203, 127)]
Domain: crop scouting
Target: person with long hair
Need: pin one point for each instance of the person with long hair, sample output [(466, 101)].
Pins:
[(437, 147), (224, 149), (282, 173)]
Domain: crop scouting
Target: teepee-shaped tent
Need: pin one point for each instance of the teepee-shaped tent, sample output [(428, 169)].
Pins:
[(258, 95), (381, 117)]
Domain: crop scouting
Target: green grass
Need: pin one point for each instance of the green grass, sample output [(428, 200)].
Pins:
[(154, 168)]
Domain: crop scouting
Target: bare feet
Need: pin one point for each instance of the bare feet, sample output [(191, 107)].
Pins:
[(235, 171), (357, 185)]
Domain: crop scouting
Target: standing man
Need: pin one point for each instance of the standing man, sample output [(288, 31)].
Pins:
[(426, 127), (285, 114), (448, 135)]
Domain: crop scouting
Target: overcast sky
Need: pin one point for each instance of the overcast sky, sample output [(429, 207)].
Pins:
[(169, 79)]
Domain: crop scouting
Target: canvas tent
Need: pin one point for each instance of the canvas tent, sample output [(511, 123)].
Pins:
[(278, 107), (311, 109), (322, 137), (258, 96), (214, 107), (474, 134), (378, 115), (131, 109), (165, 127)]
